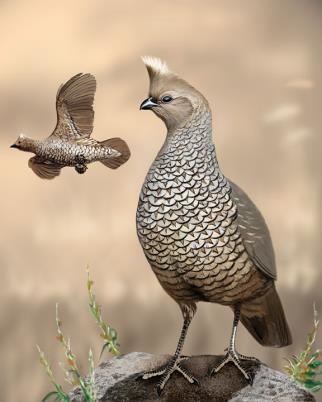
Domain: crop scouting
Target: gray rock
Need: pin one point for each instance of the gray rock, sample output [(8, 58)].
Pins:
[(119, 379)]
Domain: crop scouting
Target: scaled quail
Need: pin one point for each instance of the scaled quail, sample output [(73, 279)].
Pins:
[(70, 143), (202, 235)]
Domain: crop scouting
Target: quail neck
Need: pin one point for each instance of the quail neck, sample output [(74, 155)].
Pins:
[(193, 141), (198, 126)]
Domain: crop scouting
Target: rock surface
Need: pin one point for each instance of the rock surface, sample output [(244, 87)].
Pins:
[(119, 379)]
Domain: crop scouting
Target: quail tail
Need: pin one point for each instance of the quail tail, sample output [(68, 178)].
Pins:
[(119, 145), (265, 320)]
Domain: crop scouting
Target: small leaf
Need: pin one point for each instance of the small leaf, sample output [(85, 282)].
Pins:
[(316, 388), (315, 354), (315, 364), (312, 383), (50, 394), (106, 345), (310, 373)]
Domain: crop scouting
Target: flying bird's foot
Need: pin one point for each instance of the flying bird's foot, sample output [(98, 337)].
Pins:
[(80, 166), (166, 371), (235, 358)]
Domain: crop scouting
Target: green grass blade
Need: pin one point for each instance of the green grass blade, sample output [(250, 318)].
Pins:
[(50, 394), (315, 364)]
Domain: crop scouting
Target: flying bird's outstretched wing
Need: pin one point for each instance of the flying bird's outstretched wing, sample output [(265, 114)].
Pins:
[(44, 169), (255, 233), (74, 105)]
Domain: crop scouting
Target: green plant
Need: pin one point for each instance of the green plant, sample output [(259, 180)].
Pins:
[(108, 333), (72, 373), (305, 366), (58, 393)]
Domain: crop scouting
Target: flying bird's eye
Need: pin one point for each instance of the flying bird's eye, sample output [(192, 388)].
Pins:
[(167, 99)]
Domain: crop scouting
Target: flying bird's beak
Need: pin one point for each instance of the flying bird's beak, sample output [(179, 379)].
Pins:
[(13, 146), (148, 103)]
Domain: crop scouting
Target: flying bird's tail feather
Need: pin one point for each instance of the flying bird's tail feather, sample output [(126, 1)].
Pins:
[(265, 320), (119, 145)]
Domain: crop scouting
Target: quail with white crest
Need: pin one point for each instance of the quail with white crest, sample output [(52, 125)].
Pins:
[(202, 235)]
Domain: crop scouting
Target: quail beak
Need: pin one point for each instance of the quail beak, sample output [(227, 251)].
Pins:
[(148, 103), (13, 146)]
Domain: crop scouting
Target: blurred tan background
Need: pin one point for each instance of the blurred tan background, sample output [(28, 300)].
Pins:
[(258, 63)]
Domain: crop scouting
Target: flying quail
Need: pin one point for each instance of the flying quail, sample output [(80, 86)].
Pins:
[(70, 143), (202, 235)]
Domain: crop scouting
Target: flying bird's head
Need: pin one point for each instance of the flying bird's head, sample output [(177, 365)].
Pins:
[(23, 143), (171, 98)]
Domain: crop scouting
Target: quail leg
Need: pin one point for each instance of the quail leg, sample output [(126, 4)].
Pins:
[(80, 166), (232, 355), (174, 363)]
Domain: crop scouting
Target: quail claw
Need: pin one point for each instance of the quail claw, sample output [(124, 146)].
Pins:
[(166, 371), (232, 356)]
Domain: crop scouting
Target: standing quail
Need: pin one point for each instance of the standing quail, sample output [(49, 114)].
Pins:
[(202, 235)]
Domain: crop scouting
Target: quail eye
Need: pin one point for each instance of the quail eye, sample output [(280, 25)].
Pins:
[(167, 99)]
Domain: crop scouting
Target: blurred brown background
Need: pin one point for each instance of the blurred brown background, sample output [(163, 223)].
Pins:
[(258, 63)]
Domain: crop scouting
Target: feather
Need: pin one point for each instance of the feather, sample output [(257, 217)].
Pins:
[(155, 66), (255, 233), (265, 319), (44, 169), (120, 146), (74, 104)]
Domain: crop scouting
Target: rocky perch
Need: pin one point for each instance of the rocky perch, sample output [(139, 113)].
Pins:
[(119, 379)]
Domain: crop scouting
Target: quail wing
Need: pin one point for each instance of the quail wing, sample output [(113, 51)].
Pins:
[(255, 233), (74, 106), (44, 169)]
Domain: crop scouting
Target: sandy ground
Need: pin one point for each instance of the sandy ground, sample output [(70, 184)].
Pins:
[(258, 63)]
